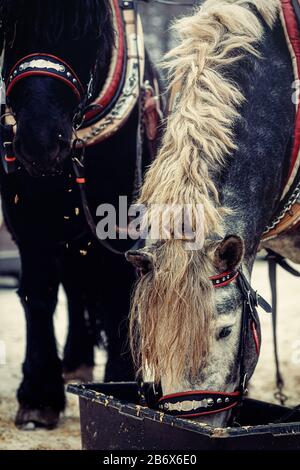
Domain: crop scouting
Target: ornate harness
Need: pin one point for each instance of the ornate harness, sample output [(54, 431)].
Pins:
[(100, 119), (287, 216)]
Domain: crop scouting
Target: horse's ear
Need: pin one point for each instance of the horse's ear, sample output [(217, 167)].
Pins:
[(141, 260), (229, 253)]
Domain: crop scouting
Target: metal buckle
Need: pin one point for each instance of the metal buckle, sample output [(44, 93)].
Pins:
[(250, 300), (244, 384)]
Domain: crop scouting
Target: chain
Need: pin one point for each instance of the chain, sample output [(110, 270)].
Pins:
[(287, 208)]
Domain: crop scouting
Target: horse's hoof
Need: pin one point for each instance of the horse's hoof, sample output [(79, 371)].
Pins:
[(28, 419), (82, 374)]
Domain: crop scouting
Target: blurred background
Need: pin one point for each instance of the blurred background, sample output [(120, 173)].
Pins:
[(157, 19)]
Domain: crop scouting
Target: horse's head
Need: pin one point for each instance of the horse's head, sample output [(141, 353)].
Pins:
[(188, 327), (77, 33)]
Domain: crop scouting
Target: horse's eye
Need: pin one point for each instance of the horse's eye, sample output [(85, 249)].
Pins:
[(225, 332)]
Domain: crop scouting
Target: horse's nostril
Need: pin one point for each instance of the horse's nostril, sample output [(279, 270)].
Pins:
[(64, 145), (52, 151)]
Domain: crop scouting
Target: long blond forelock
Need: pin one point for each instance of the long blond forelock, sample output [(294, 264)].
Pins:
[(167, 314), (173, 306)]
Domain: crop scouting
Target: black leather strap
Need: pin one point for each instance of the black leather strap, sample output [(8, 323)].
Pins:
[(274, 259), (45, 65), (252, 295)]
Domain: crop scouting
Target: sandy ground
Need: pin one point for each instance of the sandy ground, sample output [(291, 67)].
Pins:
[(67, 436)]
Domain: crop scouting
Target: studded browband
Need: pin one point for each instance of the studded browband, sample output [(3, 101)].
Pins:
[(196, 403), (45, 65)]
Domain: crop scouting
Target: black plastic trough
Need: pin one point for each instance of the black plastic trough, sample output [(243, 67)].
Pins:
[(111, 419)]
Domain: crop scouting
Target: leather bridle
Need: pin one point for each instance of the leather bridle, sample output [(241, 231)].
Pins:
[(47, 65), (196, 403)]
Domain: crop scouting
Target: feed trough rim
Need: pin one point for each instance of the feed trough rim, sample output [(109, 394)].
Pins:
[(140, 412)]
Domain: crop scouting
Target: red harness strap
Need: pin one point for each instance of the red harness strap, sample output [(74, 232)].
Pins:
[(110, 92), (294, 37), (222, 280), (10, 159)]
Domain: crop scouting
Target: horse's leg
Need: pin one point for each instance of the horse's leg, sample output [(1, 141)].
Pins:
[(78, 360), (41, 393), (116, 287)]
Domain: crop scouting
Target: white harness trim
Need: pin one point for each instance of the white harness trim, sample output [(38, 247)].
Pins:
[(134, 76)]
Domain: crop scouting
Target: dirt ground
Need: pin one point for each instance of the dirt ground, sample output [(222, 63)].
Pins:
[(67, 436)]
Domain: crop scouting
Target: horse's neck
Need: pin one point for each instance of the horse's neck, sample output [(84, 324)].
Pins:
[(286, 245), (253, 182)]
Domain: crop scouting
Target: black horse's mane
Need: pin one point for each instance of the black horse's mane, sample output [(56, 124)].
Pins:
[(57, 19)]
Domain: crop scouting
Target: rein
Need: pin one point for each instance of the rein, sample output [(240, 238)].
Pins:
[(196, 403)]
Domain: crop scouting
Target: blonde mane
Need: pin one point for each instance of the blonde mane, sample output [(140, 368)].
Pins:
[(199, 134), (173, 305)]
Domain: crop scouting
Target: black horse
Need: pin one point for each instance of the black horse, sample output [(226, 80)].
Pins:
[(41, 199)]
